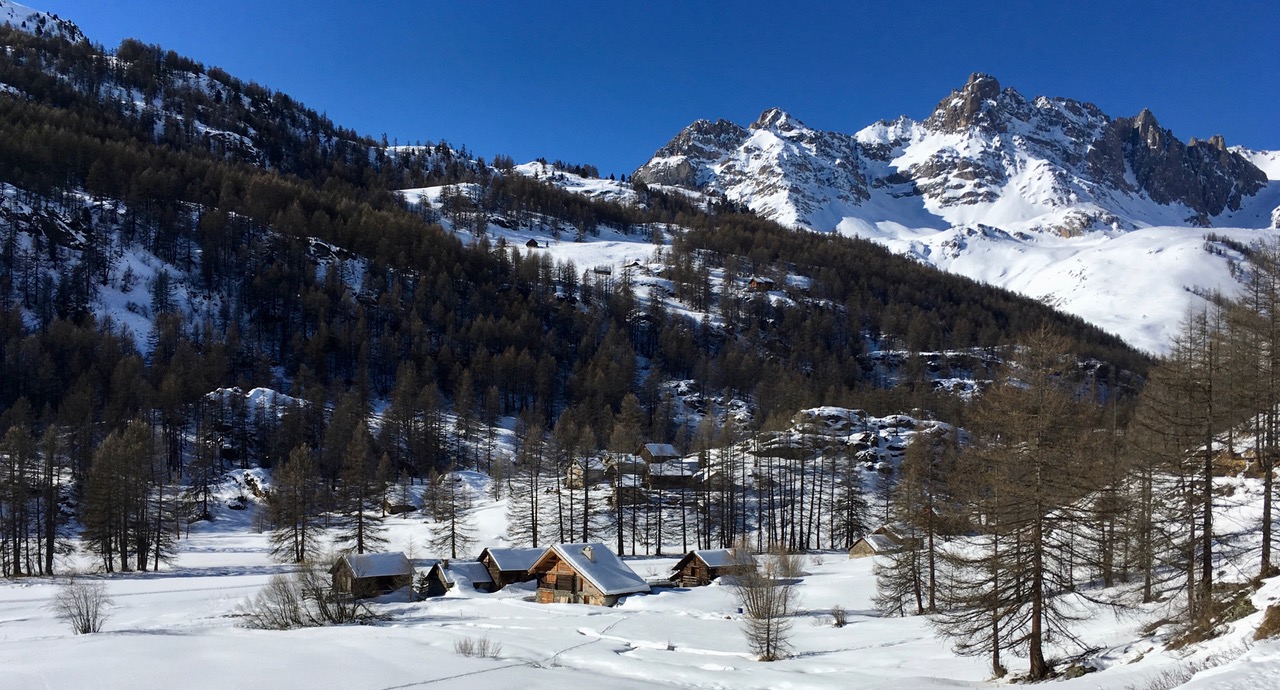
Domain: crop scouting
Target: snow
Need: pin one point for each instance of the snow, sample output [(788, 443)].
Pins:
[(662, 450), (601, 567), (378, 564), (721, 558), (880, 543), (180, 628), (467, 573), (515, 558)]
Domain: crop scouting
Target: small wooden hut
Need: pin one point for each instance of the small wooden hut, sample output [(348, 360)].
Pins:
[(874, 544), (444, 575), (509, 566), (584, 574), (700, 566), (370, 574)]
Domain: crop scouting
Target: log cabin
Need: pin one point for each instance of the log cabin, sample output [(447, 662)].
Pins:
[(584, 574), (700, 566), (371, 574)]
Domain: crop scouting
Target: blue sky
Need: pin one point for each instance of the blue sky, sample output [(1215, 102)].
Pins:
[(608, 82)]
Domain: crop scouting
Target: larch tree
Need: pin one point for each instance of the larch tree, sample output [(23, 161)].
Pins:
[(360, 493), (293, 508), (1027, 476), (454, 531)]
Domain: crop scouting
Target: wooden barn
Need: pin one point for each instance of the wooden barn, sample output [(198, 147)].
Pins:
[(584, 574), (444, 575), (658, 453), (370, 574), (509, 566), (700, 566), (874, 544)]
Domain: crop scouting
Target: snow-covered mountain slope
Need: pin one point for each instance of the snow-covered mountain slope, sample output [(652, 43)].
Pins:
[(1033, 195), (38, 22)]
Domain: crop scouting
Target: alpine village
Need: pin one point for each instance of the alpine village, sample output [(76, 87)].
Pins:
[(282, 403)]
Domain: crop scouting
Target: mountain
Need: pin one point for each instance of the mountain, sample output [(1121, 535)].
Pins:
[(38, 22), (985, 154), (1025, 194)]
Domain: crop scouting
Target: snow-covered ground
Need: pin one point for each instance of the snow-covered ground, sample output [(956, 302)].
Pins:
[(180, 628)]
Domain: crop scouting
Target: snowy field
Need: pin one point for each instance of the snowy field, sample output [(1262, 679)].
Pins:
[(181, 628)]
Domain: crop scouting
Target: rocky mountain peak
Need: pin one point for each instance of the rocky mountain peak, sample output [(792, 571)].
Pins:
[(778, 120), (971, 105)]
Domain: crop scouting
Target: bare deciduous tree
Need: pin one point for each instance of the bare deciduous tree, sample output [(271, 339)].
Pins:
[(82, 604), (768, 598)]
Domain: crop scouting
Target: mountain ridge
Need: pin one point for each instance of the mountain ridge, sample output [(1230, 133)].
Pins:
[(984, 150)]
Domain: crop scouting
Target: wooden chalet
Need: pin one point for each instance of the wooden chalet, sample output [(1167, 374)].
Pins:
[(509, 566), (370, 574), (673, 474), (653, 453), (593, 470), (445, 575), (532, 244), (760, 283), (700, 566), (584, 574), (624, 463)]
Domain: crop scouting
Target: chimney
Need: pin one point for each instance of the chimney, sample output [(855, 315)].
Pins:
[(589, 552), (444, 563)]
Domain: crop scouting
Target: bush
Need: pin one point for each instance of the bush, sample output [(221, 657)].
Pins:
[(82, 604), (302, 599), (839, 616), (481, 647), (1270, 624)]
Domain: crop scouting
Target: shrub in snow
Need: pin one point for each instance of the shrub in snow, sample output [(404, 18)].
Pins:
[(839, 616), (1270, 624), (302, 599), (82, 604), (480, 647)]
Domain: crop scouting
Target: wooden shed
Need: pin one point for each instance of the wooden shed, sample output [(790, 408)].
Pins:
[(444, 575), (658, 452), (509, 566), (370, 574), (584, 574), (874, 544), (673, 474), (700, 566)]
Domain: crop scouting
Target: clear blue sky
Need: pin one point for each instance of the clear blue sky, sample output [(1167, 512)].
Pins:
[(608, 82)]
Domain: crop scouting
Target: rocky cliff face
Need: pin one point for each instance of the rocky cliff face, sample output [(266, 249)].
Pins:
[(778, 161), (986, 154)]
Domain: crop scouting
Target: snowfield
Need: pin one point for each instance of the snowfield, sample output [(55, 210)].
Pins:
[(181, 628)]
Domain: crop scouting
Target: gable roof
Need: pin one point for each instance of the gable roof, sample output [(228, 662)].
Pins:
[(881, 543), (600, 566), (513, 558), (662, 450), (471, 572), (378, 564), (718, 558)]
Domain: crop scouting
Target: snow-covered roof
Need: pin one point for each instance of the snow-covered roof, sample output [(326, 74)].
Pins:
[(514, 558), (675, 468), (662, 450), (378, 564), (467, 572), (880, 543), (723, 558), (601, 567)]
